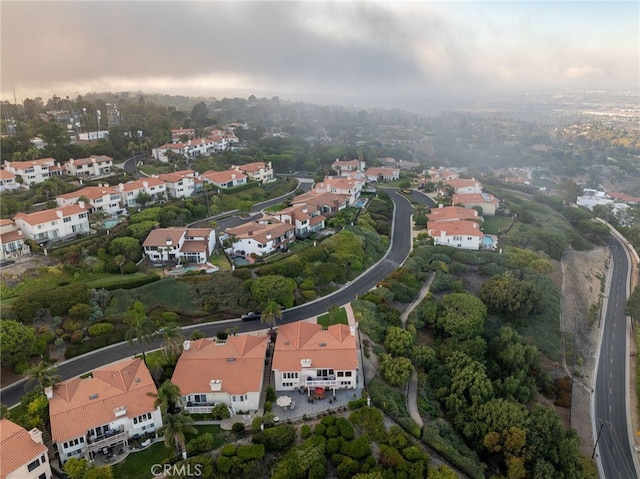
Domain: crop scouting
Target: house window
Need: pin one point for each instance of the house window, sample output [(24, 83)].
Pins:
[(43, 476), (33, 465), (200, 398), (67, 219), (348, 374), (43, 459), (286, 385)]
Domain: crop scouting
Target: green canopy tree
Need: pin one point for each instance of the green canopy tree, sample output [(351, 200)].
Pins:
[(17, 342), (127, 246), (273, 287), (463, 316), (175, 428), (396, 371), (398, 341), (172, 339)]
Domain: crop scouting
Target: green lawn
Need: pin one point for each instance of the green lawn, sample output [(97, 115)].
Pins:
[(340, 318), (122, 281), (138, 464), (494, 224)]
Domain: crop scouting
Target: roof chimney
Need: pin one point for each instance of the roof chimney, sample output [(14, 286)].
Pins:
[(48, 391), (36, 435), (186, 345), (81, 204), (59, 214)]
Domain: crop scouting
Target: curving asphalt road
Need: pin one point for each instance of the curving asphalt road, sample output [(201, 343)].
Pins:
[(398, 251), (615, 456)]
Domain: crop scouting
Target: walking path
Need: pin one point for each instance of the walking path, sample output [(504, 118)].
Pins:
[(412, 388)]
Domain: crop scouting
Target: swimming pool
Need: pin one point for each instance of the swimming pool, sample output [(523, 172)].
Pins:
[(108, 224), (360, 203), (240, 261)]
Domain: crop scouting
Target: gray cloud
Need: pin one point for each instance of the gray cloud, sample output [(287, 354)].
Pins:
[(374, 50)]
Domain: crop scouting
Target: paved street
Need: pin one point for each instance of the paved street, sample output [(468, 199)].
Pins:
[(398, 251)]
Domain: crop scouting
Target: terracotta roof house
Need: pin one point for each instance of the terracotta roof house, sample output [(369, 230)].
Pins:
[(160, 152), (224, 179), (154, 187), (308, 356), (486, 201), (101, 198), (8, 181), (181, 184), (230, 372), (177, 134), (195, 245), (453, 213), (34, 171), (341, 186), (465, 186), (54, 224), (91, 167), (307, 219), (458, 234), (382, 174), (12, 241), (23, 453), (328, 203), (342, 166), (259, 171), (104, 410), (260, 237)]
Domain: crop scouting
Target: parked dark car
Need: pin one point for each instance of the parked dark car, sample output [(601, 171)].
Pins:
[(253, 315)]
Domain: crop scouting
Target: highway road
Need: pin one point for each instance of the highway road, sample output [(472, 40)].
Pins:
[(615, 456), (398, 251)]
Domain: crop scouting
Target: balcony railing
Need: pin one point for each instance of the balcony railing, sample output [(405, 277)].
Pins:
[(321, 382), (106, 441), (199, 408)]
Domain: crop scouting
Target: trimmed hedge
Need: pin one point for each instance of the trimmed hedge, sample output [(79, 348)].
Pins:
[(276, 438), (250, 452)]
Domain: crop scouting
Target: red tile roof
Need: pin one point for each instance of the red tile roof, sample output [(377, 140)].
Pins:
[(223, 177), (334, 347), (50, 215), (238, 363), (80, 404), (17, 447), (454, 228), (448, 213)]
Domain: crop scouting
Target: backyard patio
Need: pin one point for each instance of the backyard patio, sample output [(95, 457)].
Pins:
[(291, 405)]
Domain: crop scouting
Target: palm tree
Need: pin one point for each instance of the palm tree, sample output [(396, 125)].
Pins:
[(120, 261), (271, 313), (168, 398), (41, 376), (143, 331), (172, 339), (175, 428)]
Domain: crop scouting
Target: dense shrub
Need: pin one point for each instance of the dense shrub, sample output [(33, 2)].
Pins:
[(229, 450), (332, 431), (200, 444), (358, 448), (357, 403), (345, 427), (328, 420), (319, 429), (223, 464), (305, 431), (101, 328), (276, 438), (220, 412), (309, 294), (333, 445), (250, 452)]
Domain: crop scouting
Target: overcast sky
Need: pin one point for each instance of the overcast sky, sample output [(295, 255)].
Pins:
[(375, 52)]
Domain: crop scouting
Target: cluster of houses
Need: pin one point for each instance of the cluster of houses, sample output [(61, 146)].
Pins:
[(459, 225), (185, 143), (107, 408)]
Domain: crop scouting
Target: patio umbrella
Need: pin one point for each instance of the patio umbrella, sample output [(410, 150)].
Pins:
[(319, 390), (284, 401)]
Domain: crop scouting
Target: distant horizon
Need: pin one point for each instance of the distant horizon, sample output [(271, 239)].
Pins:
[(421, 56)]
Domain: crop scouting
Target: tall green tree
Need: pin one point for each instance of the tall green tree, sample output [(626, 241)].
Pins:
[(168, 398), (172, 339), (175, 428), (141, 328), (273, 287), (41, 376), (17, 342), (271, 313)]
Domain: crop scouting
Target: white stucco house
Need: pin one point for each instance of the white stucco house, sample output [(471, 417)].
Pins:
[(55, 224), (192, 245)]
